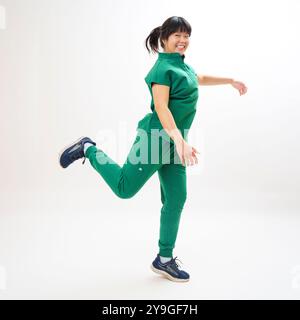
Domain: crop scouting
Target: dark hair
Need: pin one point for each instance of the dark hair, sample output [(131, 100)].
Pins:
[(171, 25)]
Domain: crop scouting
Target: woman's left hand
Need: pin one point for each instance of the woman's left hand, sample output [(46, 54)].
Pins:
[(239, 86)]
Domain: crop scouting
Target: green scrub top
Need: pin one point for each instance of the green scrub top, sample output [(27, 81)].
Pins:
[(171, 70)]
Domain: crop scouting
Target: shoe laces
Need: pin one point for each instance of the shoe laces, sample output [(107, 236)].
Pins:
[(175, 261), (77, 155)]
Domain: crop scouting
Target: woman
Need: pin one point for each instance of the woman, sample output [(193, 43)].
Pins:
[(173, 86)]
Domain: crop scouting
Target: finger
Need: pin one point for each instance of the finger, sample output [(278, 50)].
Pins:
[(196, 159), (193, 158), (188, 161), (194, 149)]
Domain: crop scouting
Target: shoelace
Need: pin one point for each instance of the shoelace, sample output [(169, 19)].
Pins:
[(174, 261), (78, 155)]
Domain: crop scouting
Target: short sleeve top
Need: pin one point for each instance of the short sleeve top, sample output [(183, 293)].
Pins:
[(171, 70)]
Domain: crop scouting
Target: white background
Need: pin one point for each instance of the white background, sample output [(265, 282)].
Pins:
[(72, 68)]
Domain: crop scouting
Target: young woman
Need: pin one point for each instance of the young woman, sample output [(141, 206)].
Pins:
[(173, 86)]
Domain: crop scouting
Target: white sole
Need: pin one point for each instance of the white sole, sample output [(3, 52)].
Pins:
[(65, 148), (166, 275)]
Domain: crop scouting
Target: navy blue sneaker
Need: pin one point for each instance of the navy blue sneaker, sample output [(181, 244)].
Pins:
[(170, 270), (74, 152)]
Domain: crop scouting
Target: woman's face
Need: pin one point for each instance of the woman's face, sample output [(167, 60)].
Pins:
[(177, 42)]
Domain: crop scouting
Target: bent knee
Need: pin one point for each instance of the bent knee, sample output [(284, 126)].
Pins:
[(126, 195)]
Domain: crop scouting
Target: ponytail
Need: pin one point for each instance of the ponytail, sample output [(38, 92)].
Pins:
[(152, 40)]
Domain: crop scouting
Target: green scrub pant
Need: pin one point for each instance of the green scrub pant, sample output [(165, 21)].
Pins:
[(127, 180)]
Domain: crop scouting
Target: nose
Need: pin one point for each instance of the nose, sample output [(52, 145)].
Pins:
[(183, 40)]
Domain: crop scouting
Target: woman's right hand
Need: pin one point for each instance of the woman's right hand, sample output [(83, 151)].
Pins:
[(186, 153)]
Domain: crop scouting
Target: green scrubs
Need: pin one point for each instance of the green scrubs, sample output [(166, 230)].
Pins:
[(144, 160), (171, 70)]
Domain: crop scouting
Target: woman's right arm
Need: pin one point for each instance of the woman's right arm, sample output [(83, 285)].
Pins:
[(186, 152)]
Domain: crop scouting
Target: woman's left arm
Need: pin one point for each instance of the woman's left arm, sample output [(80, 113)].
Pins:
[(205, 80)]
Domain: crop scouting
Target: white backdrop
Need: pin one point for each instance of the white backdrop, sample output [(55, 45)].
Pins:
[(72, 68)]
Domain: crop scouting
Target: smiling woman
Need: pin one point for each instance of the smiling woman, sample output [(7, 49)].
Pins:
[(177, 42), (173, 86), (175, 31)]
